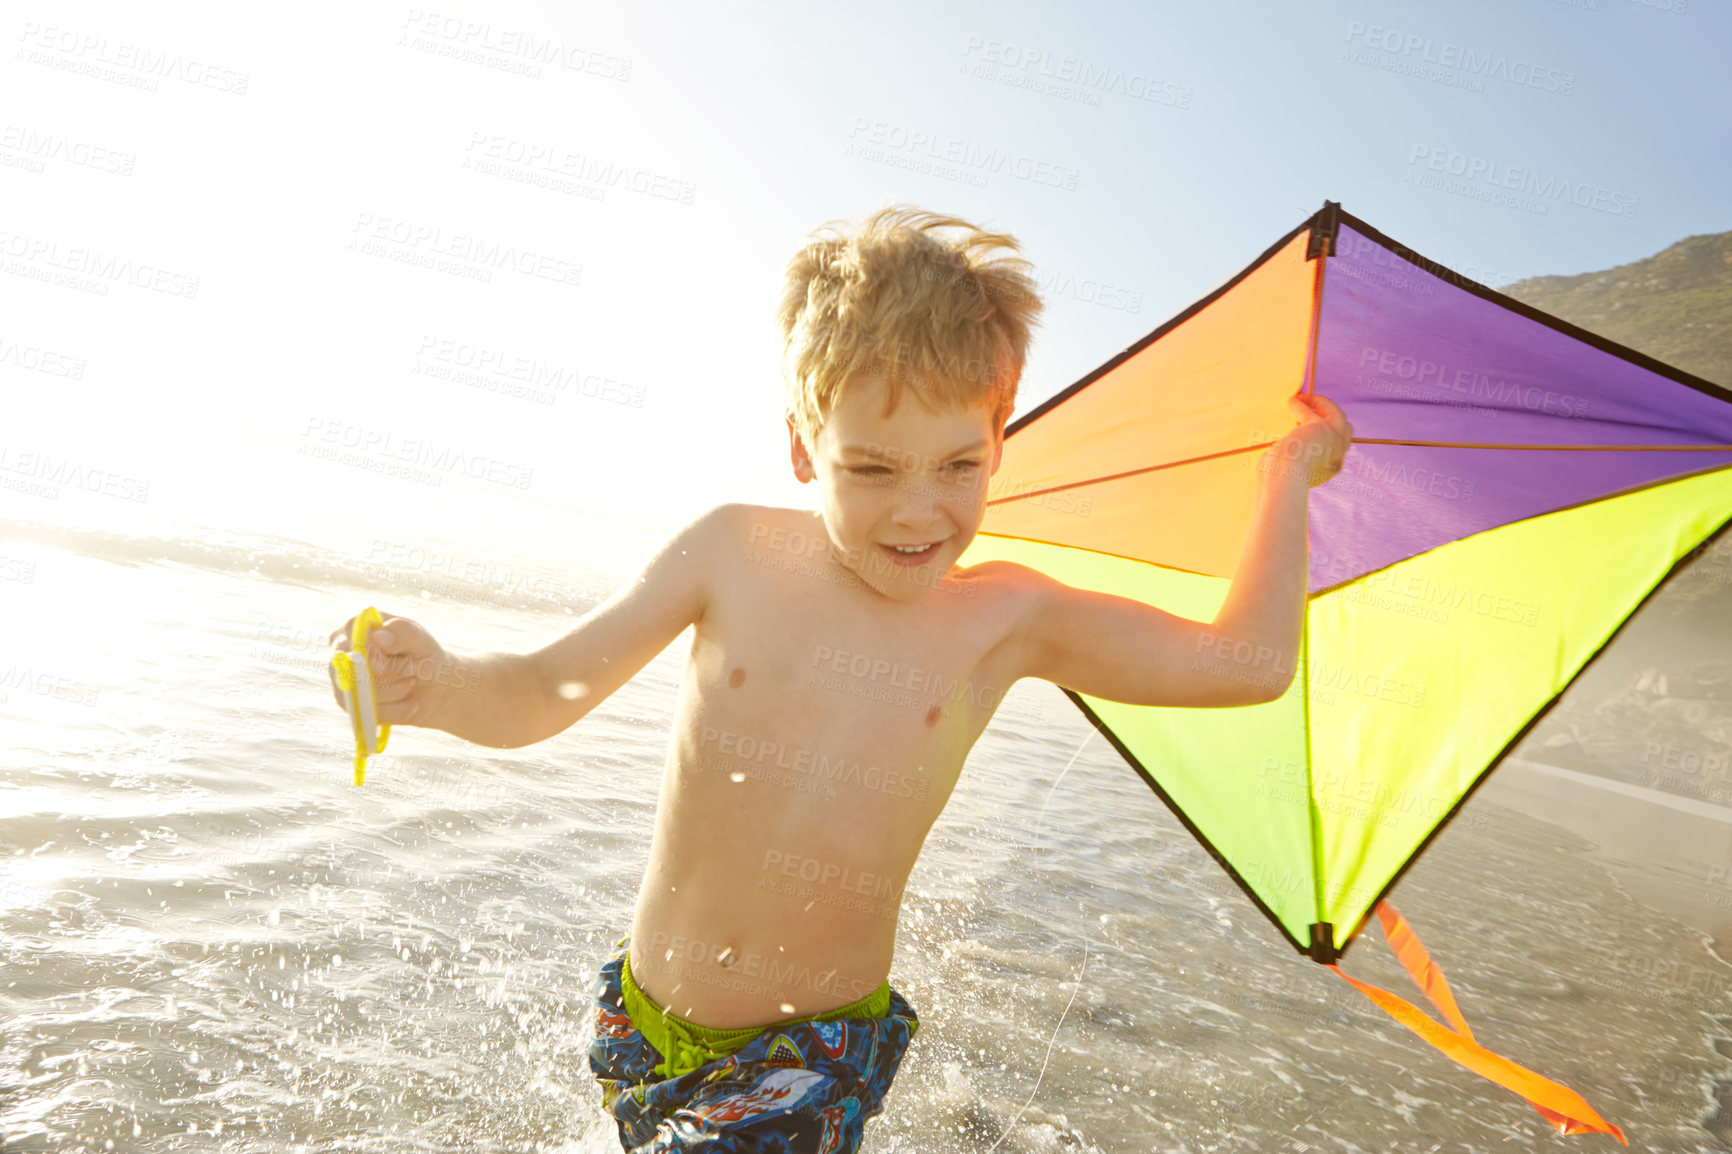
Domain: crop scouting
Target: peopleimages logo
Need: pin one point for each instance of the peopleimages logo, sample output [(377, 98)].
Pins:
[(1484, 178), (33, 149), (1067, 76), (495, 154), (509, 49), (134, 65), (89, 269), (469, 255), (881, 140), (1444, 54), (1473, 383), (43, 473), (40, 360), (352, 444)]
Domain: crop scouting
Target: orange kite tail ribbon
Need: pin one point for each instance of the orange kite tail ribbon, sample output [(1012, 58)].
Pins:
[(1558, 1104)]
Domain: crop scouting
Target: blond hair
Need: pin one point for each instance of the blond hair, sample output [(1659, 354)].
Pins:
[(893, 297)]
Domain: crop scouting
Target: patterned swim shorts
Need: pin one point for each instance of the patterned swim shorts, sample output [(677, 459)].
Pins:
[(804, 1087)]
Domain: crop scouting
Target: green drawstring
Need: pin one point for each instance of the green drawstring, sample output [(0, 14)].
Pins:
[(686, 1057)]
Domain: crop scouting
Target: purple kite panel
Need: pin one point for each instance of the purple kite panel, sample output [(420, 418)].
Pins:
[(1413, 357)]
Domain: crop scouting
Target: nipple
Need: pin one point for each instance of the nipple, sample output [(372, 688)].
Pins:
[(737, 678)]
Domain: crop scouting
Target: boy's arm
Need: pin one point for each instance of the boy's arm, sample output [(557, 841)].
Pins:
[(1123, 650), (507, 700)]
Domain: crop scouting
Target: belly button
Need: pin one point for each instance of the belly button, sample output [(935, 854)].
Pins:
[(737, 678), (932, 716)]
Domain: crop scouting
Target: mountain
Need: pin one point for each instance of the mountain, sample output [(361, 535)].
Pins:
[(1656, 707), (1675, 305)]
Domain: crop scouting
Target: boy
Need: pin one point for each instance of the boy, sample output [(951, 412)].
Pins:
[(749, 1007)]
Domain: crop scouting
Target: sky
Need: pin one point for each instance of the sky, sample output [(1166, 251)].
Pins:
[(504, 273)]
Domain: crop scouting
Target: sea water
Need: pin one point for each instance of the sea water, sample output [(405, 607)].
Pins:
[(211, 940)]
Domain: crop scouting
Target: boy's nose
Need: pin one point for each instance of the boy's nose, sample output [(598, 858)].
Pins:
[(916, 503)]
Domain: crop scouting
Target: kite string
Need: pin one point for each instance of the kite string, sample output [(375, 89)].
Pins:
[(1041, 817), (1052, 1041), (1049, 1045)]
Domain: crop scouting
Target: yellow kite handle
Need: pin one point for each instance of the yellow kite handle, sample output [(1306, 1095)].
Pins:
[(355, 679)]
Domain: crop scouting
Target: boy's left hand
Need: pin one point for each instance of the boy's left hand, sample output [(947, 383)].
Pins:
[(1318, 445)]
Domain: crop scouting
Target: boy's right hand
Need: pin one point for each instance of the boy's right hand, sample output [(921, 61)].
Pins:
[(1317, 446), (411, 671)]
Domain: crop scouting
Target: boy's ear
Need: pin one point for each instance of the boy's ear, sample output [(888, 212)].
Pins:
[(804, 470)]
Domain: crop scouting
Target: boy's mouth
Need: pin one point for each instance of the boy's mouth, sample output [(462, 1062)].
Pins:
[(899, 556)]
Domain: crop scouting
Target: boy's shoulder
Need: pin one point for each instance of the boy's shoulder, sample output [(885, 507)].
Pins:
[(736, 531), (1009, 576), (743, 525)]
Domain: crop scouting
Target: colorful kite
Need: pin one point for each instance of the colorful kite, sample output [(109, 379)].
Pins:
[(1516, 488)]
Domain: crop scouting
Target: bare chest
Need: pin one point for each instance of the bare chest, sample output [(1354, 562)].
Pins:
[(798, 684)]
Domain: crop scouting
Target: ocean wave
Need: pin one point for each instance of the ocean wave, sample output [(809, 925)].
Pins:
[(420, 568)]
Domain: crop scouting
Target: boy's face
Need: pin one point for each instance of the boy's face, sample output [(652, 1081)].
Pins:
[(916, 477)]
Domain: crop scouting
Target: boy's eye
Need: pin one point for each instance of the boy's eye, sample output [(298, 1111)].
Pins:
[(879, 472)]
